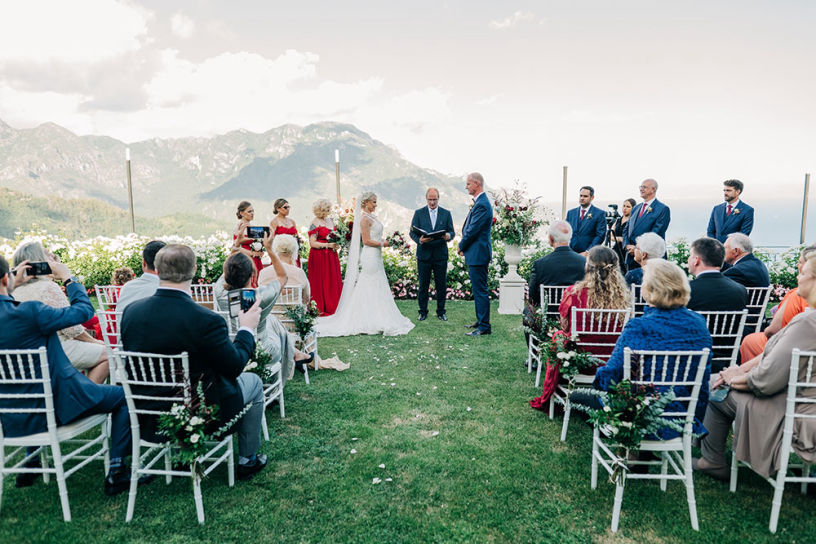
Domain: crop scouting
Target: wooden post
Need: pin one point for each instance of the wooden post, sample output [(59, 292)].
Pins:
[(804, 209), (130, 190), (564, 196), (337, 173)]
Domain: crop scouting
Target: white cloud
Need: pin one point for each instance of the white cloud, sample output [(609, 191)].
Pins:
[(83, 31), (513, 20), (181, 25)]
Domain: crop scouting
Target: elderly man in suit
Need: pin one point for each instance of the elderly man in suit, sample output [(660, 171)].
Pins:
[(731, 216), (31, 325), (562, 266), (476, 247), (710, 290), (744, 267), (432, 253), (651, 215), (588, 222), (170, 322)]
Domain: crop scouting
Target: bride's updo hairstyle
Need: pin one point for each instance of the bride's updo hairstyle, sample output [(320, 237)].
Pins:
[(321, 208), (242, 206), (238, 270), (366, 196), (606, 288), (279, 203)]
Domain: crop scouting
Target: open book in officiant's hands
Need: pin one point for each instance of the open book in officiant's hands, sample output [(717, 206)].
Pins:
[(435, 235)]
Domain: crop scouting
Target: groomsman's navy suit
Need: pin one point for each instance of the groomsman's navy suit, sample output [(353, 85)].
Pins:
[(31, 325), (741, 220), (749, 271), (476, 246), (589, 231), (656, 220), (432, 256)]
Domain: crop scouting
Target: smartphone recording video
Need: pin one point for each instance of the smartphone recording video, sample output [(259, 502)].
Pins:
[(40, 268), (257, 232), (240, 300)]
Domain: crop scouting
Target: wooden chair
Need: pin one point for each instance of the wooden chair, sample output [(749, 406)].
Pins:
[(171, 373), (665, 369), (25, 388), (757, 305), (726, 330), (796, 398), (107, 295)]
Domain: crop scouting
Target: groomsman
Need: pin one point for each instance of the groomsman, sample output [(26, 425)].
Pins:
[(432, 253), (476, 247), (650, 215), (588, 222), (732, 215)]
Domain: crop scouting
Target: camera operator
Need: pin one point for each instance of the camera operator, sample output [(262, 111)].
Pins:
[(616, 230)]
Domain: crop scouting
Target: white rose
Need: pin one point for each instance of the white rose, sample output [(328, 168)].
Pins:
[(562, 355), (627, 424), (194, 438), (607, 409), (571, 354), (195, 420)]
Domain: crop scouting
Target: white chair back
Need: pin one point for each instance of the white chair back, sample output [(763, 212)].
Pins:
[(638, 304), (204, 294), (109, 322), (291, 295), (598, 329), (25, 374), (726, 335), (669, 369), (757, 305), (107, 295), (232, 324), (553, 295)]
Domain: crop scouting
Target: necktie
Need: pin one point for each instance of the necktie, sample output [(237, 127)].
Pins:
[(728, 211), (433, 219), (583, 212), (642, 209)]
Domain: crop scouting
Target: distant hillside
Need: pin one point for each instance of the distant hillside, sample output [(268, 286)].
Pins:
[(206, 177), (82, 218)]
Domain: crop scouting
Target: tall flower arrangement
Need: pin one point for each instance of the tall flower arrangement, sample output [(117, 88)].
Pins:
[(515, 220)]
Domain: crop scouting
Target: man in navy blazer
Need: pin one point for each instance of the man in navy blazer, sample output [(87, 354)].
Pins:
[(710, 290), (588, 222), (733, 215), (475, 245), (432, 254), (650, 215), (745, 267), (31, 325)]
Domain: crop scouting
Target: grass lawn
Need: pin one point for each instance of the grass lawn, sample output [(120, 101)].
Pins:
[(468, 459)]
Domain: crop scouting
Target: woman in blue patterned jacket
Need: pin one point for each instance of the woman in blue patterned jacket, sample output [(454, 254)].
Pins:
[(666, 325)]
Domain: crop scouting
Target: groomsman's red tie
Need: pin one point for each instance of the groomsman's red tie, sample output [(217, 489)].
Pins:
[(642, 209), (728, 211), (583, 211)]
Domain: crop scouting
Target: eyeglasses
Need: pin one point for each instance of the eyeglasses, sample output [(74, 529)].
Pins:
[(285, 207)]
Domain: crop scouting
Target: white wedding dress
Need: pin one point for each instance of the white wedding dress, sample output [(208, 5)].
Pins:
[(366, 304)]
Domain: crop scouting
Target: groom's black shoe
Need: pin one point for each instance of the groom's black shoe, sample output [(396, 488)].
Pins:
[(472, 326), (477, 332), (422, 317), (442, 317)]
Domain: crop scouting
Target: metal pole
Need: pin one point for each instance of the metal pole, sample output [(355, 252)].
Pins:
[(804, 209), (130, 190), (564, 196), (337, 173)]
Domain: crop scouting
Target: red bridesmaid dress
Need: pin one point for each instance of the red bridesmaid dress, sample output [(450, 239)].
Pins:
[(292, 231), (325, 280), (255, 261)]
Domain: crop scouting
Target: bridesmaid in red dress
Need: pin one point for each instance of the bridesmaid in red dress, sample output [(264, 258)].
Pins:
[(325, 281), (282, 224), (241, 242)]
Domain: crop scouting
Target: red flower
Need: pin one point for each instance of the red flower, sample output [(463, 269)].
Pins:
[(494, 220), (509, 208)]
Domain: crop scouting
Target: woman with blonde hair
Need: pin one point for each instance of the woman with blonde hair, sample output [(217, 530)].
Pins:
[(283, 224), (603, 287), (325, 279)]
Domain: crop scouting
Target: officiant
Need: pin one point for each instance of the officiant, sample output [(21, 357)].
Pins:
[(431, 230)]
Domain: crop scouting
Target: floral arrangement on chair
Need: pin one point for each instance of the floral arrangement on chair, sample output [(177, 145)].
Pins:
[(536, 323), (190, 426), (261, 364), (563, 350), (304, 317), (398, 242), (514, 222)]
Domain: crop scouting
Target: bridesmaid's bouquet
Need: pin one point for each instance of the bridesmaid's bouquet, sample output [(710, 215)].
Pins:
[(397, 241), (343, 219)]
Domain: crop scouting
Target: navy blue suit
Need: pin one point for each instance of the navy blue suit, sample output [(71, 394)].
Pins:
[(478, 250), (31, 325), (656, 220), (749, 271), (432, 257), (740, 220), (589, 231)]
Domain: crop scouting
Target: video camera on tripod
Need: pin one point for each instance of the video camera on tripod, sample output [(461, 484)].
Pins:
[(612, 215)]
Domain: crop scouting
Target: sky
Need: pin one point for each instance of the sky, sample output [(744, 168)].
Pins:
[(689, 93)]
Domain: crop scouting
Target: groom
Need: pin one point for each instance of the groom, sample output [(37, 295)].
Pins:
[(432, 254), (476, 247)]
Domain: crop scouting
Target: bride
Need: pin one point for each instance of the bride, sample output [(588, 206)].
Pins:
[(366, 304)]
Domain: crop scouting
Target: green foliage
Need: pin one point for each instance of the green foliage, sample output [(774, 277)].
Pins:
[(304, 317), (261, 364)]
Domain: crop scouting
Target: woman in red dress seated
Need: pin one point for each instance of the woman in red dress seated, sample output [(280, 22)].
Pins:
[(283, 224), (325, 281), (603, 287), (241, 242)]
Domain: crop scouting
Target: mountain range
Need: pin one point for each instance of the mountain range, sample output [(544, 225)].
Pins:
[(59, 180)]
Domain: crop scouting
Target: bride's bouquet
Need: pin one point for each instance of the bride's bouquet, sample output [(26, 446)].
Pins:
[(397, 241)]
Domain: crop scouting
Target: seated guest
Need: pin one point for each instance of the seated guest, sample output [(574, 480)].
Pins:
[(85, 352), (648, 246), (119, 277), (790, 306), (170, 322), (602, 287), (757, 399), (666, 325), (285, 247), (271, 335), (744, 267), (145, 285), (562, 266), (710, 290), (122, 275), (31, 325)]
